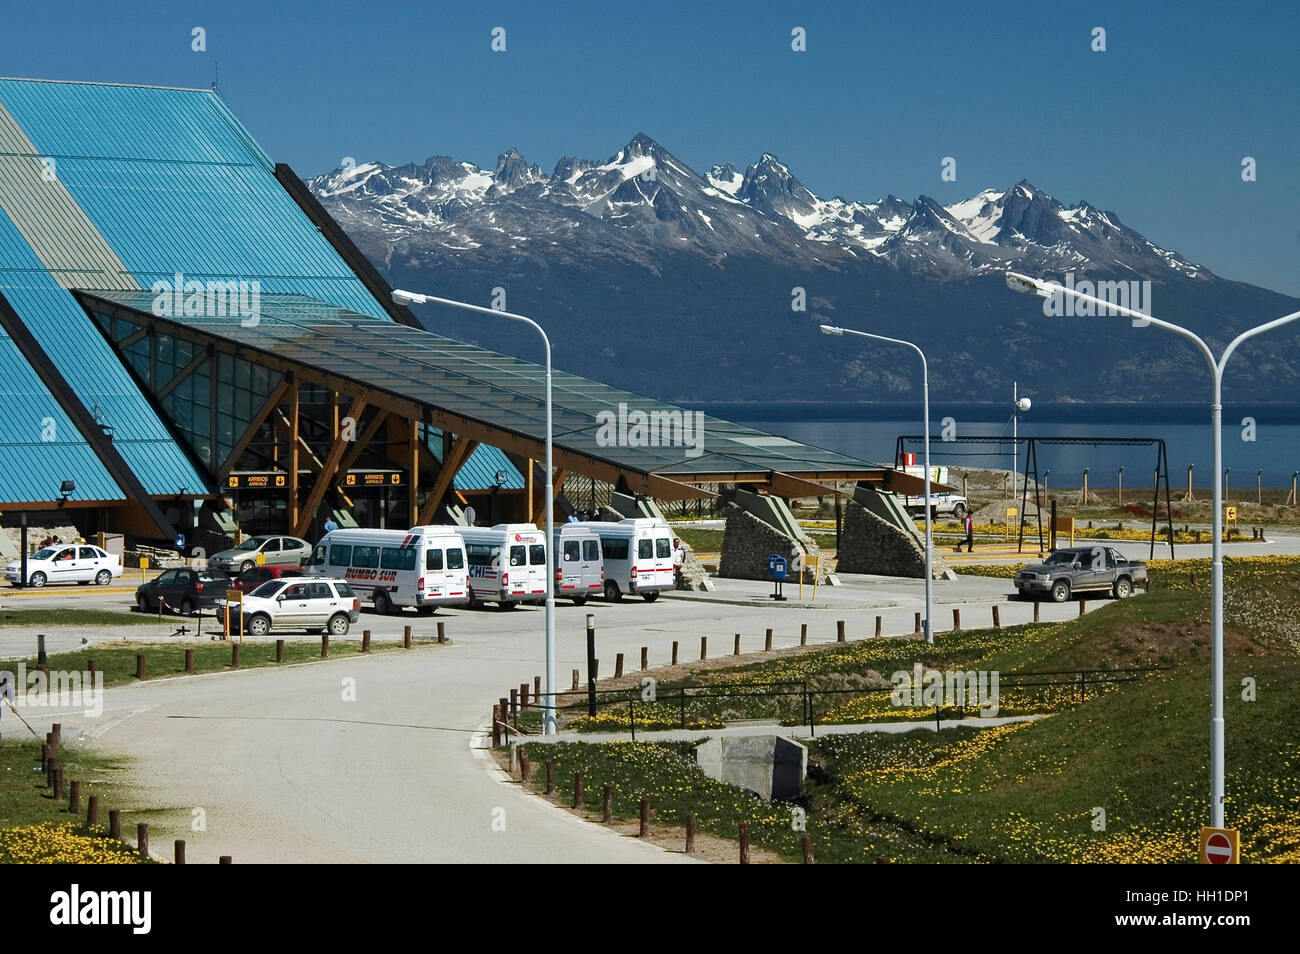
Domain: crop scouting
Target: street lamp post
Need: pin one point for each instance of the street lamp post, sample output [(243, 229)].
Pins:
[(411, 298), (1034, 286), (925, 391)]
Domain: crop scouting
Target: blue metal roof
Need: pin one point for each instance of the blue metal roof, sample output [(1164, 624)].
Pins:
[(480, 471), (169, 182)]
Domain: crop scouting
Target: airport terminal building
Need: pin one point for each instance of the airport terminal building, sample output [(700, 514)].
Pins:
[(188, 340)]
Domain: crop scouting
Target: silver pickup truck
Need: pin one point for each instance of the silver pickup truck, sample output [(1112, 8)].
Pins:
[(1082, 570)]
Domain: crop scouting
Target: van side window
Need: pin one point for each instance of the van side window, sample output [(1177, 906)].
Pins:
[(340, 555), (663, 547), (518, 557), (455, 559), (591, 551), (398, 558), (480, 554), (537, 555), (365, 556), (645, 549), (433, 559), (615, 547)]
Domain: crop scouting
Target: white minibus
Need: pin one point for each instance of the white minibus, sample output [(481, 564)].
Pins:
[(507, 563), (579, 567), (638, 556), (424, 567)]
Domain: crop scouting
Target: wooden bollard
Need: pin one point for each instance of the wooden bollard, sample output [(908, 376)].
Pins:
[(574, 687), (365, 640), (74, 797), (767, 641), (882, 859), (607, 804), (179, 851), (189, 659), (525, 766), (645, 658), (142, 838), (224, 860), (1082, 605), (523, 695), (90, 663), (916, 623), (997, 618), (58, 784), (577, 789), (92, 810), (505, 713), (803, 634), (279, 650), (550, 776), (496, 727), (406, 637), (56, 730), (537, 689), (806, 843), (234, 655), (442, 634), (704, 646), (879, 626), (618, 665), (644, 831), (1037, 608), (324, 645), (690, 833), (51, 770), (956, 620), (839, 630), (736, 650), (139, 666), (115, 823), (744, 843), (674, 655), (514, 703)]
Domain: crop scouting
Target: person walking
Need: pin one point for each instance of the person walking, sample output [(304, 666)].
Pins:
[(679, 561), (970, 534)]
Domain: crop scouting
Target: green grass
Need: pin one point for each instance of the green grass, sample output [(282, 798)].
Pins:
[(116, 665), (26, 802), (70, 617)]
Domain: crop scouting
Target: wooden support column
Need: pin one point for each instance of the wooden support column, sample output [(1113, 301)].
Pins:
[(294, 391), (529, 491), (329, 466), (413, 472), (452, 462)]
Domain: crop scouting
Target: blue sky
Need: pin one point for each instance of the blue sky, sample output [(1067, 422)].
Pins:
[(1155, 128)]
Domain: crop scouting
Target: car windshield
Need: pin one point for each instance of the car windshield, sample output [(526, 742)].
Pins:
[(268, 589), (252, 543), (46, 554), (1061, 558)]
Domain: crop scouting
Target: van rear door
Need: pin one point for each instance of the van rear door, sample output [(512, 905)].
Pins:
[(593, 567)]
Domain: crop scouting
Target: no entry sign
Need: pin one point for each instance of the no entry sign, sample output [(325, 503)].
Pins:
[(1219, 846)]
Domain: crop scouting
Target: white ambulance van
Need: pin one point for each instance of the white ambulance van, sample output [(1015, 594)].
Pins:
[(638, 554), (507, 563), (579, 567), (424, 567)]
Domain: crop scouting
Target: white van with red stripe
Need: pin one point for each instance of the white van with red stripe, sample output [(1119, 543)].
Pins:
[(507, 563), (579, 566), (424, 567), (638, 555)]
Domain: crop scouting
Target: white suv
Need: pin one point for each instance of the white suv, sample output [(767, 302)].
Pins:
[(313, 603)]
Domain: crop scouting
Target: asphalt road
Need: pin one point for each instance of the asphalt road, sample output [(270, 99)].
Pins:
[(284, 769)]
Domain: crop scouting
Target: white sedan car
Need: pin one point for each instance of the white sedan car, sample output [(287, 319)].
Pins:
[(67, 563)]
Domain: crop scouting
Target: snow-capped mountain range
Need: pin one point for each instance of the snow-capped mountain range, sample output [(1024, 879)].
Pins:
[(643, 195), (696, 287)]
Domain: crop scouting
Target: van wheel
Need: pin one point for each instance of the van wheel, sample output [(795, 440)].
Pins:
[(426, 610), (649, 597), (339, 625), (579, 600), (383, 605), (474, 601), (959, 511), (508, 604), (612, 594)]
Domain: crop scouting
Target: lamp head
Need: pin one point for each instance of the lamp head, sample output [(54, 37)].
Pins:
[(407, 298), (1027, 286), (1024, 404), (831, 330)]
